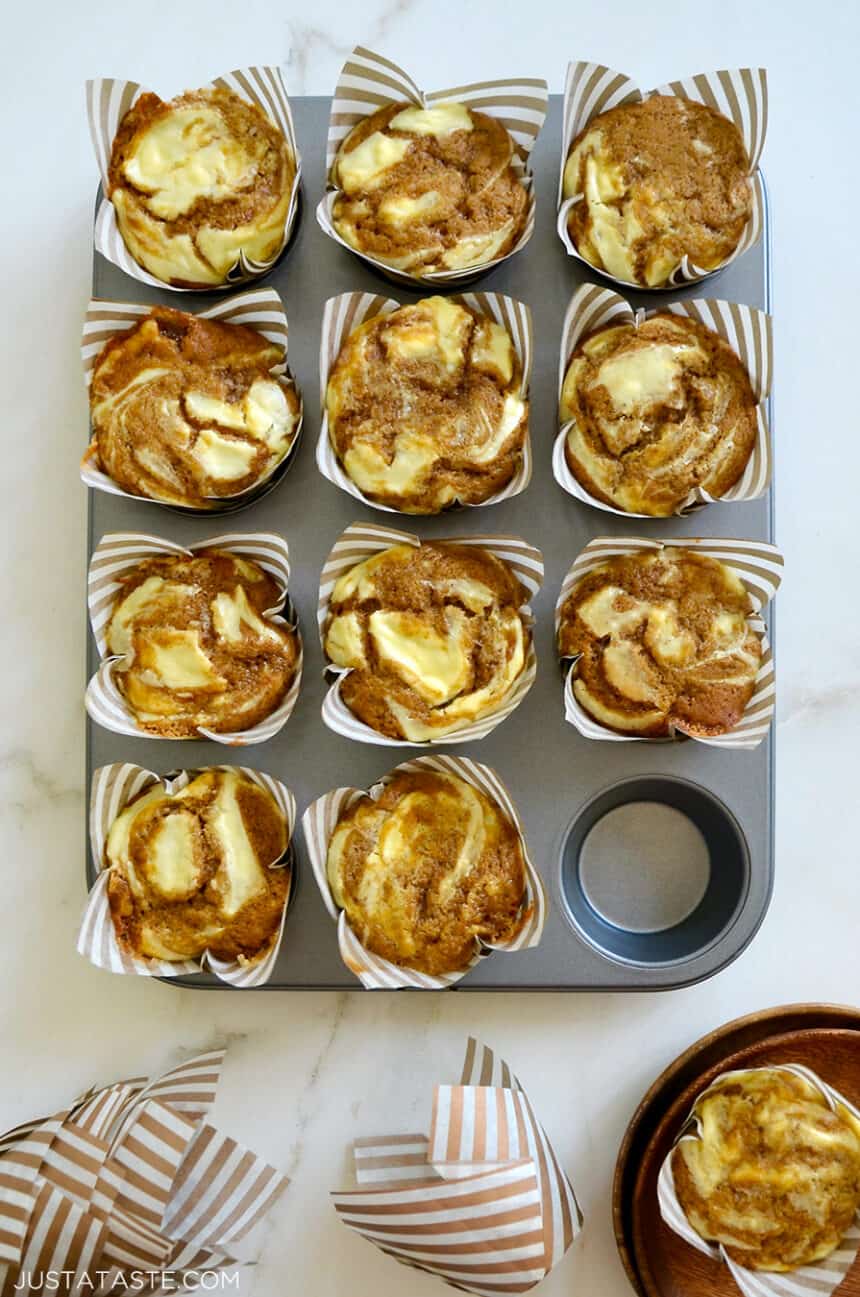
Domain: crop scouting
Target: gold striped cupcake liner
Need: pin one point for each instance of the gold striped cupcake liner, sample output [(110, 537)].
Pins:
[(119, 552), (756, 563), (111, 790), (818, 1280), (749, 332), (130, 1186), (375, 973), (344, 313), (368, 82), (260, 309), (739, 94), (359, 542), (108, 101), (482, 1202)]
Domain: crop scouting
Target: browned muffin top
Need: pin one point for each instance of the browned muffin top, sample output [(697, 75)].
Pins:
[(186, 410), (433, 635), (427, 871), (196, 648), (196, 182), (774, 1175), (429, 188), (189, 871), (659, 409), (663, 179), (663, 642), (424, 407)]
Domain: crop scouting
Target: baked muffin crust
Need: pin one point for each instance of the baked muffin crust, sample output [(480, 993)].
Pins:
[(663, 642), (197, 181), (433, 636), (658, 410), (186, 411), (662, 179), (775, 1175), (424, 408), (428, 188), (189, 871), (196, 648), (427, 871)]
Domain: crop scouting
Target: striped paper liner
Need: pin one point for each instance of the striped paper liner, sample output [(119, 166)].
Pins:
[(485, 1225), (739, 94), (257, 308), (139, 1196), (111, 789), (368, 82), (358, 542), (116, 553), (108, 101), (748, 332), (343, 314), (758, 564), (375, 973), (817, 1280)]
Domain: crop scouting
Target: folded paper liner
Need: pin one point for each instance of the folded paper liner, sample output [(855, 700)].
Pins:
[(818, 1280), (111, 790), (344, 313), (257, 308), (118, 552), (747, 331), (368, 82), (758, 564), (739, 94), (483, 1202), (128, 1185), (375, 973), (108, 101), (359, 542)]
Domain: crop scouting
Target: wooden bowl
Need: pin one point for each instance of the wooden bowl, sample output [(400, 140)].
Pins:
[(658, 1262)]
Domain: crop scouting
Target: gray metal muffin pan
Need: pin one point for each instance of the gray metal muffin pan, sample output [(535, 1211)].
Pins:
[(687, 913)]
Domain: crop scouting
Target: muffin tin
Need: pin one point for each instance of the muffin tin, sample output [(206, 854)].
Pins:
[(683, 915)]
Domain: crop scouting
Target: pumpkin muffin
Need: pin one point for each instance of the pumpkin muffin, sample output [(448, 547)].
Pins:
[(195, 647), (432, 638), (187, 411), (200, 184), (190, 871), (428, 872), (774, 1174), (424, 409), (658, 411), (427, 189), (662, 642), (657, 181)]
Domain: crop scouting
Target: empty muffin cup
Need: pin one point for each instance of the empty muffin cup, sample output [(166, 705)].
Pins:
[(654, 870)]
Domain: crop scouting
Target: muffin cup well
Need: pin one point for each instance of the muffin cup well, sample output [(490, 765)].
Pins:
[(758, 564), (118, 552), (809, 1281), (112, 788), (739, 94), (108, 101), (368, 82), (375, 973), (260, 309), (344, 313), (747, 331), (359, 542)]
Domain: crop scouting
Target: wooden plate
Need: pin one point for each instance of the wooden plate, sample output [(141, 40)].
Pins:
[(658, 1262)]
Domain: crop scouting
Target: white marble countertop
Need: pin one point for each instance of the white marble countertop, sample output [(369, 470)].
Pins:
[(307, 1073)]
